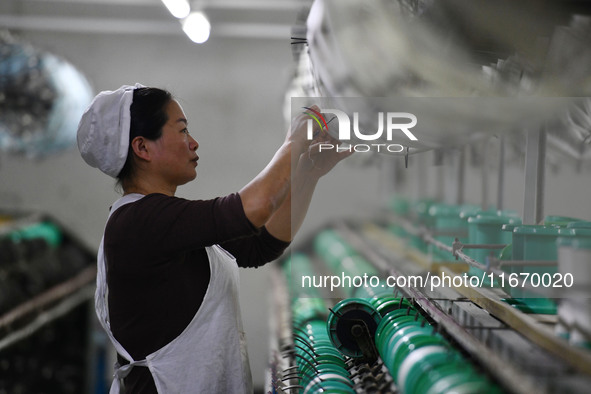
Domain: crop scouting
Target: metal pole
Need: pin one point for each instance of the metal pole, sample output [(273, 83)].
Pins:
[(533, 196), (501, 175), (421, 180), (461, 176), (541, 181), (484, 174), (440, 170)]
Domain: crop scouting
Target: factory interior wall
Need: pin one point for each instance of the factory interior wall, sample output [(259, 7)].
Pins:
[(233, 92)]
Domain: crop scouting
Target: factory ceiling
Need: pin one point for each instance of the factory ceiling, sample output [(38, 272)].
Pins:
[(259, 19)]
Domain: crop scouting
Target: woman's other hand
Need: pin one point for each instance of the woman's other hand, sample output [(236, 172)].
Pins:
[(298, 131)]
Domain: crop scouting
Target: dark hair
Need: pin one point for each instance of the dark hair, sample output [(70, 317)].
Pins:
[(148, 116)]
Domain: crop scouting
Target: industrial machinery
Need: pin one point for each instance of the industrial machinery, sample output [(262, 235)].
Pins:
[(443, 290)]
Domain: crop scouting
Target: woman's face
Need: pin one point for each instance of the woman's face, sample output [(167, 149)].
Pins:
[(175, 152)]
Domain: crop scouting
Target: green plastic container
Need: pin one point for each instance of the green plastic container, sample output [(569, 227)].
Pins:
[(559, 221), (533, 242), (576, 235), (487, 228), (580, 224), (507, 252), (449, 222)]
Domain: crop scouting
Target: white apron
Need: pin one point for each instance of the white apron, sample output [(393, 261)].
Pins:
[(210, 355)]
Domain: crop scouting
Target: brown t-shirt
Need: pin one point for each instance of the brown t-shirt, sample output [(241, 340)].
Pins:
[(158, 270)]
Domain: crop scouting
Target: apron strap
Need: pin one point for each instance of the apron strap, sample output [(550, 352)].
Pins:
[(121, 372)]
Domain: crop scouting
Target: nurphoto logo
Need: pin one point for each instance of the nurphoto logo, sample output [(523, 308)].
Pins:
[(389, 122)]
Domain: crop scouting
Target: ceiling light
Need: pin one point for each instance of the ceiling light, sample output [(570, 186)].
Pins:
[(178, 8), (197, 27)]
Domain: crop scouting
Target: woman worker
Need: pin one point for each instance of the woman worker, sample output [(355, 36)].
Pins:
[(167, 283)]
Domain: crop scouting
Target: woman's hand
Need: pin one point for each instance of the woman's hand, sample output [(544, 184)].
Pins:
[(321, 157), (318, 159), (298, 131)]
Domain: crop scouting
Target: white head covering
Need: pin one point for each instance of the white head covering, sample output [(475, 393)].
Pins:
[(103, 131)]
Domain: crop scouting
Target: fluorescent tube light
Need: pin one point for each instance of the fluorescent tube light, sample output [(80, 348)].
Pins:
[(197, 27), (178, 8)]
